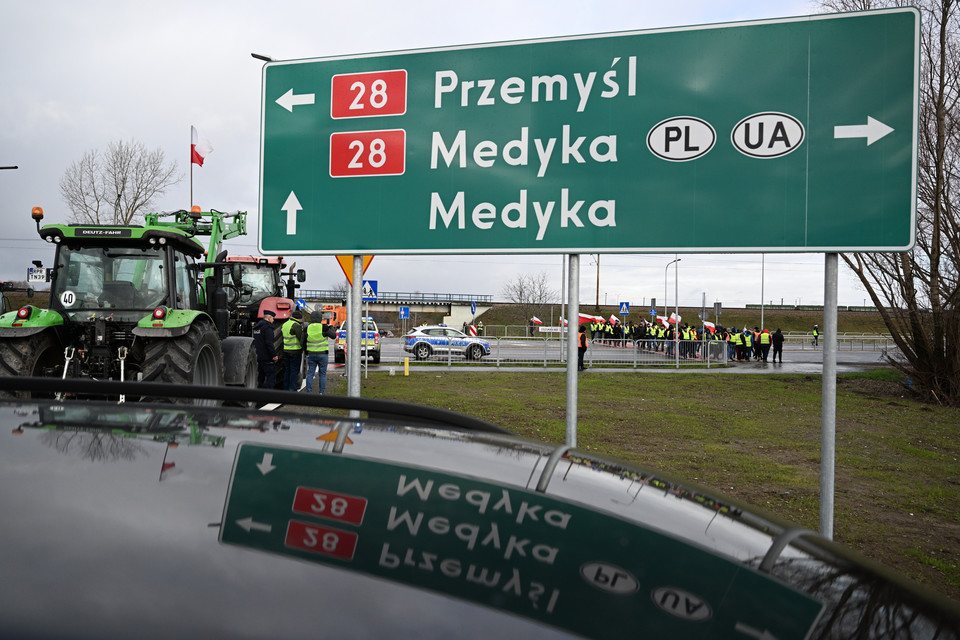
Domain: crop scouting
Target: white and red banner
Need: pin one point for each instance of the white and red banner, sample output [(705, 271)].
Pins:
[(536, 320)]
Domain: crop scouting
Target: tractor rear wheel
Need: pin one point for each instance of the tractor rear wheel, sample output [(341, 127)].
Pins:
[(194, 358), (38, 355)]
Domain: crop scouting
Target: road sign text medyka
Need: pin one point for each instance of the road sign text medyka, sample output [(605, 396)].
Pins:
[(796, 134)]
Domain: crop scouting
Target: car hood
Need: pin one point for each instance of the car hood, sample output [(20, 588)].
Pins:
[(159, 521)]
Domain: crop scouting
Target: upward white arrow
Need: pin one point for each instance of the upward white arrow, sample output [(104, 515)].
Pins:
[(291, 206), (289, 100), (872, 131)]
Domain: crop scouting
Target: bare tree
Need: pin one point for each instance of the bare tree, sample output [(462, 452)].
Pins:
[(530, 293), (918, 292), (116, 186), (340, 289)]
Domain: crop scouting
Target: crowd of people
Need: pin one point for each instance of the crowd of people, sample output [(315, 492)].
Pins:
[(692, 342)]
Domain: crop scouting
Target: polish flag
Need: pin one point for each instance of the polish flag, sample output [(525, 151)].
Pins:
[(169, 469), (710, 325), (614, 319), (563, 321), (674, 318), (536, 320), (199, 147)]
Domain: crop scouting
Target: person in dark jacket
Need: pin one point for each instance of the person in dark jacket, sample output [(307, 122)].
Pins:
[(266, 351), (581, 347), (777, 340)]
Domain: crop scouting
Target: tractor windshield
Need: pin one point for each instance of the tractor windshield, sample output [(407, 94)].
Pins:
[(112, 279), (263, 280)]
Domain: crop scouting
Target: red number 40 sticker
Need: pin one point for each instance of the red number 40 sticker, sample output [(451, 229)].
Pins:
[(376, 93), (367, 153)]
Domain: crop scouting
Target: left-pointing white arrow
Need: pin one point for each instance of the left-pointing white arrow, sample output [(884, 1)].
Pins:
[(291, 206), (872, 131), (289, 100), (249, 524)]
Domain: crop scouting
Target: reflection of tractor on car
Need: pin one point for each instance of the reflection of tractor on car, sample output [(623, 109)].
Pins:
[(137, 303)]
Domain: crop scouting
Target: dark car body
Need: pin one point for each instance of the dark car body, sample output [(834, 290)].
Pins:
[(163, 520)]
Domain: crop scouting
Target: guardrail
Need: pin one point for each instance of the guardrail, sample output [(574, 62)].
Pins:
[(551, 351), (846, 340), (399, 296)]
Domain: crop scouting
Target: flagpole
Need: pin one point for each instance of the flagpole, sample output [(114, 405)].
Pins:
[(190, 160)]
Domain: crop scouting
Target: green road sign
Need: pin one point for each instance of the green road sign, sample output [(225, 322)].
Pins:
[(536, 556), (796, 134)]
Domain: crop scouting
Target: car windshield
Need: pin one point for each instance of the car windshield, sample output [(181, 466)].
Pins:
[(367, 326)]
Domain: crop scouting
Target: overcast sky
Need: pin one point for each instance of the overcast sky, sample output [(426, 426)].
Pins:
[(78, 75)]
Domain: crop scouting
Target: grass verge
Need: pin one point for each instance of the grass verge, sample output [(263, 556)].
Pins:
[(756, 438)]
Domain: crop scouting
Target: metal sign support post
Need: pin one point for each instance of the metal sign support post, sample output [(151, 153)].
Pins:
[(365, 361), (828, 421), (563, 301), (353, 330), (573, 336)]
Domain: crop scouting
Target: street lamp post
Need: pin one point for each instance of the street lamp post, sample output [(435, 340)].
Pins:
[(676, 302), (665, 306), (597, 303)]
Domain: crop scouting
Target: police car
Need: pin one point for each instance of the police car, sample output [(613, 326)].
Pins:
[(370, 341), (424, 341)]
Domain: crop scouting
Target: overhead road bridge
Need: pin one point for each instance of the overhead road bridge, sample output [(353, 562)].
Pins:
[(456, 307)]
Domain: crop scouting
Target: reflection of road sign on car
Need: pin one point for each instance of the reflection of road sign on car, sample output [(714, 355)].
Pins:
[(369, 291), (624, 308), (404, 313), (366, 515)]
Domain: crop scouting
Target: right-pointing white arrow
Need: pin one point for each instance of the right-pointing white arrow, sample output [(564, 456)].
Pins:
[(872, 131), (291, 205)]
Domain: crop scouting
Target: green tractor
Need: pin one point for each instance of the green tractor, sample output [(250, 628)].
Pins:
[(134, 303)]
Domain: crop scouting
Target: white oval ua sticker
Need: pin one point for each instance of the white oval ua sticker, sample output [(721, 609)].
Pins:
[(767, 135), (682, 604), (681, 139)]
